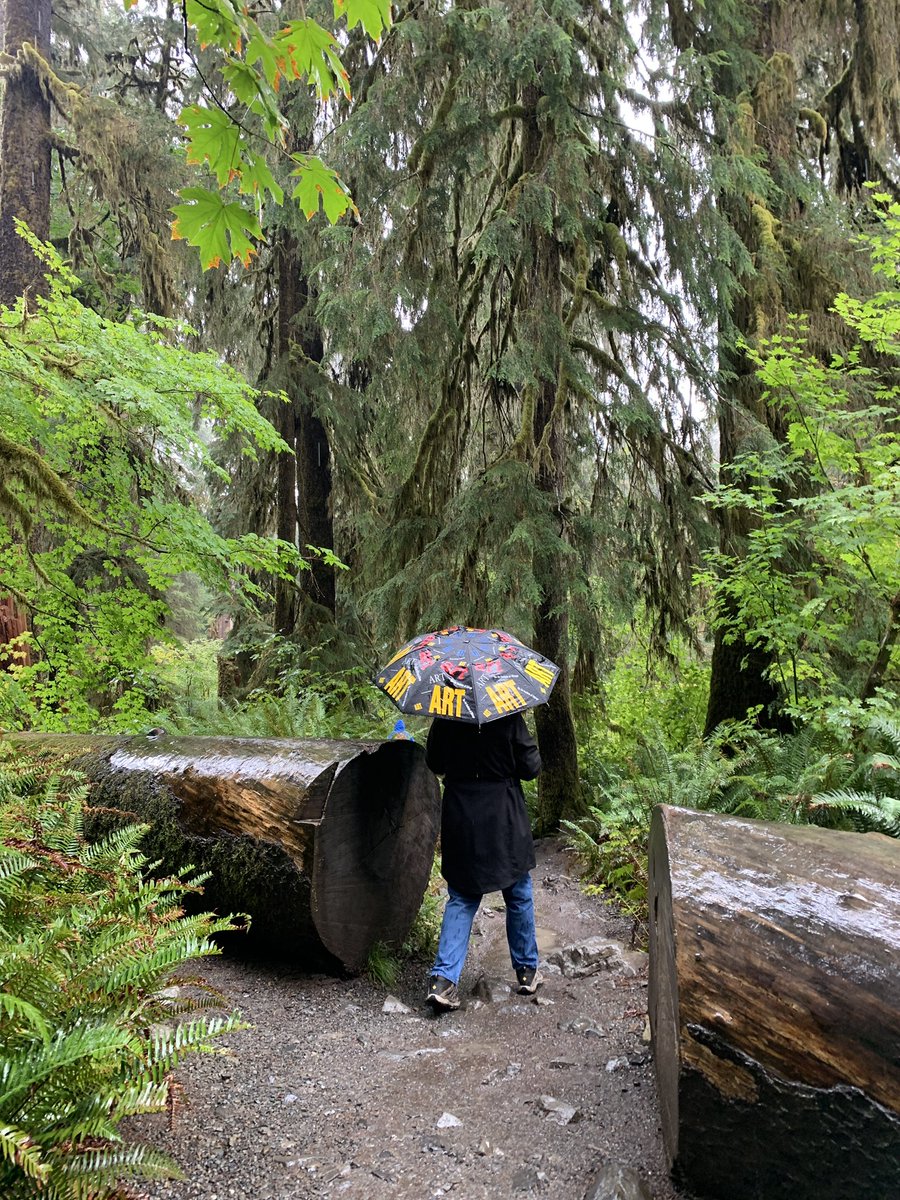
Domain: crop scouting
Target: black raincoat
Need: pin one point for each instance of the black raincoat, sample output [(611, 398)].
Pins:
[(486, 842)]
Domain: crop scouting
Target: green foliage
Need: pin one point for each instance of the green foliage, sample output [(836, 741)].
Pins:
[(639, 692), (220, 229), (841, 770), (185, 673), (105, 434), (291, 700), (94, 1014), (818, 585), (383, 965), (253, 64), (611, 844)]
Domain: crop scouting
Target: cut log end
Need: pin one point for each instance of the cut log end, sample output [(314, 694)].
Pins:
[(374, 851)]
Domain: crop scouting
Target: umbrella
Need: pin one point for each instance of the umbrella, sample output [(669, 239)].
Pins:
[(467, 674)]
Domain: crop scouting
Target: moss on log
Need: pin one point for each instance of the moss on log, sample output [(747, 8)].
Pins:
[(326, 844)]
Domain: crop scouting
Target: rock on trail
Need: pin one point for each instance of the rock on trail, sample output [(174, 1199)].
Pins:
[(337, 1091)]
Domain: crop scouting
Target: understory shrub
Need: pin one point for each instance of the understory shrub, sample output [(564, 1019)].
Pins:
[(94, 1014), (298, 703), (841, 770)]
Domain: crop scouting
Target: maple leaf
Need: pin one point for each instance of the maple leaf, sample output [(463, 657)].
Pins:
[(216, 21), (261, 50), (306, 48), (220, 230), (212, 135), (247, 84), (373, 15), (319, 184), (257, 178)]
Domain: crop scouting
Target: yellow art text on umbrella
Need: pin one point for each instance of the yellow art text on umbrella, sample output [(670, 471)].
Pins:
[(446, 701)]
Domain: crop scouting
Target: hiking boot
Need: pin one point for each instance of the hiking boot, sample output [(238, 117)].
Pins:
[(530, 979), (442, 994)]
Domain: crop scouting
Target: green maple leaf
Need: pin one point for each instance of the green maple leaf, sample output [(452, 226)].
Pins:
[(218, 229), (305, 48), (217, 22), (261, 50), (256, 178), (318, 184), (247, 84), (212, 135), (373, 15)]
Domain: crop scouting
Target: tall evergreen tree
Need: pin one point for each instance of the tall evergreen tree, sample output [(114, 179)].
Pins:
[(521, 417), (24, 144), (802, 102)]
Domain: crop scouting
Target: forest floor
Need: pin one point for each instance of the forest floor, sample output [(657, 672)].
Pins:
[(330, 1095)]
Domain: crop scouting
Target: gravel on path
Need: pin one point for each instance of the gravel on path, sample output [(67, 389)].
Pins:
[(328, 1095)]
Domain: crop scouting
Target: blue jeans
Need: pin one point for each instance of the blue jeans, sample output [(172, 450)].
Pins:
[(457, 926)]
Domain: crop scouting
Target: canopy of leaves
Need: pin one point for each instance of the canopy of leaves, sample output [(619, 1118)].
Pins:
[(105, 431)]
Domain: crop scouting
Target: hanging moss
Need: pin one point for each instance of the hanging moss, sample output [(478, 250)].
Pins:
[(817, 124), (124, 166)]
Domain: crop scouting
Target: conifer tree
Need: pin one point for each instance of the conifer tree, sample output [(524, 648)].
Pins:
[(804, 103), (493, 329), (24, 144)]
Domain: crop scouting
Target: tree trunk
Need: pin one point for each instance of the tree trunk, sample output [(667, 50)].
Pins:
[(304, 479), (325, 844), (559, 788), (774, 979), (286, 464), (24, 149)]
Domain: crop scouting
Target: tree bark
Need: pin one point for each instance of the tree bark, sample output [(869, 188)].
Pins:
[(774, 977), (304, 479), (24, 149), (327, 845), (559, 788), (286, 464)]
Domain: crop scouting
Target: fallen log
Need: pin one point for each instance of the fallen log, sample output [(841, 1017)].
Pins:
[(775, 1007), (325, 844)]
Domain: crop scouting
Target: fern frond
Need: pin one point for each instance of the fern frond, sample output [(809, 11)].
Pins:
[(888, 728), (83, 1041), (13, 1006), (20, 1150), (169, 1045), (108, 852), (14, 863), (104, 1166), (870, 812)]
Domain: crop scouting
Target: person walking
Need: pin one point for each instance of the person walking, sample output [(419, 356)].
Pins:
[(486, 843)]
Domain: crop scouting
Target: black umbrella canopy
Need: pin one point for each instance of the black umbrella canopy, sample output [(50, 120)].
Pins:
[(466, 674)]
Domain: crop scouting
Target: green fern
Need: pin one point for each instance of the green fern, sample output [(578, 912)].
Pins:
[(21, 1154), (88, 947), (867, 811), (849, 779)]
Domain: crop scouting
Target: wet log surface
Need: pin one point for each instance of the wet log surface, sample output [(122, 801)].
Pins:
[(775, 1007), (326, 844)]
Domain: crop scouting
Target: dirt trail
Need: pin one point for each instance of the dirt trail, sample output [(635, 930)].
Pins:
[(328, 1095)]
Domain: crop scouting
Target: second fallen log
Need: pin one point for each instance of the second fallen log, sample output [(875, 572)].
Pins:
[(774, 990), (325, 843)]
